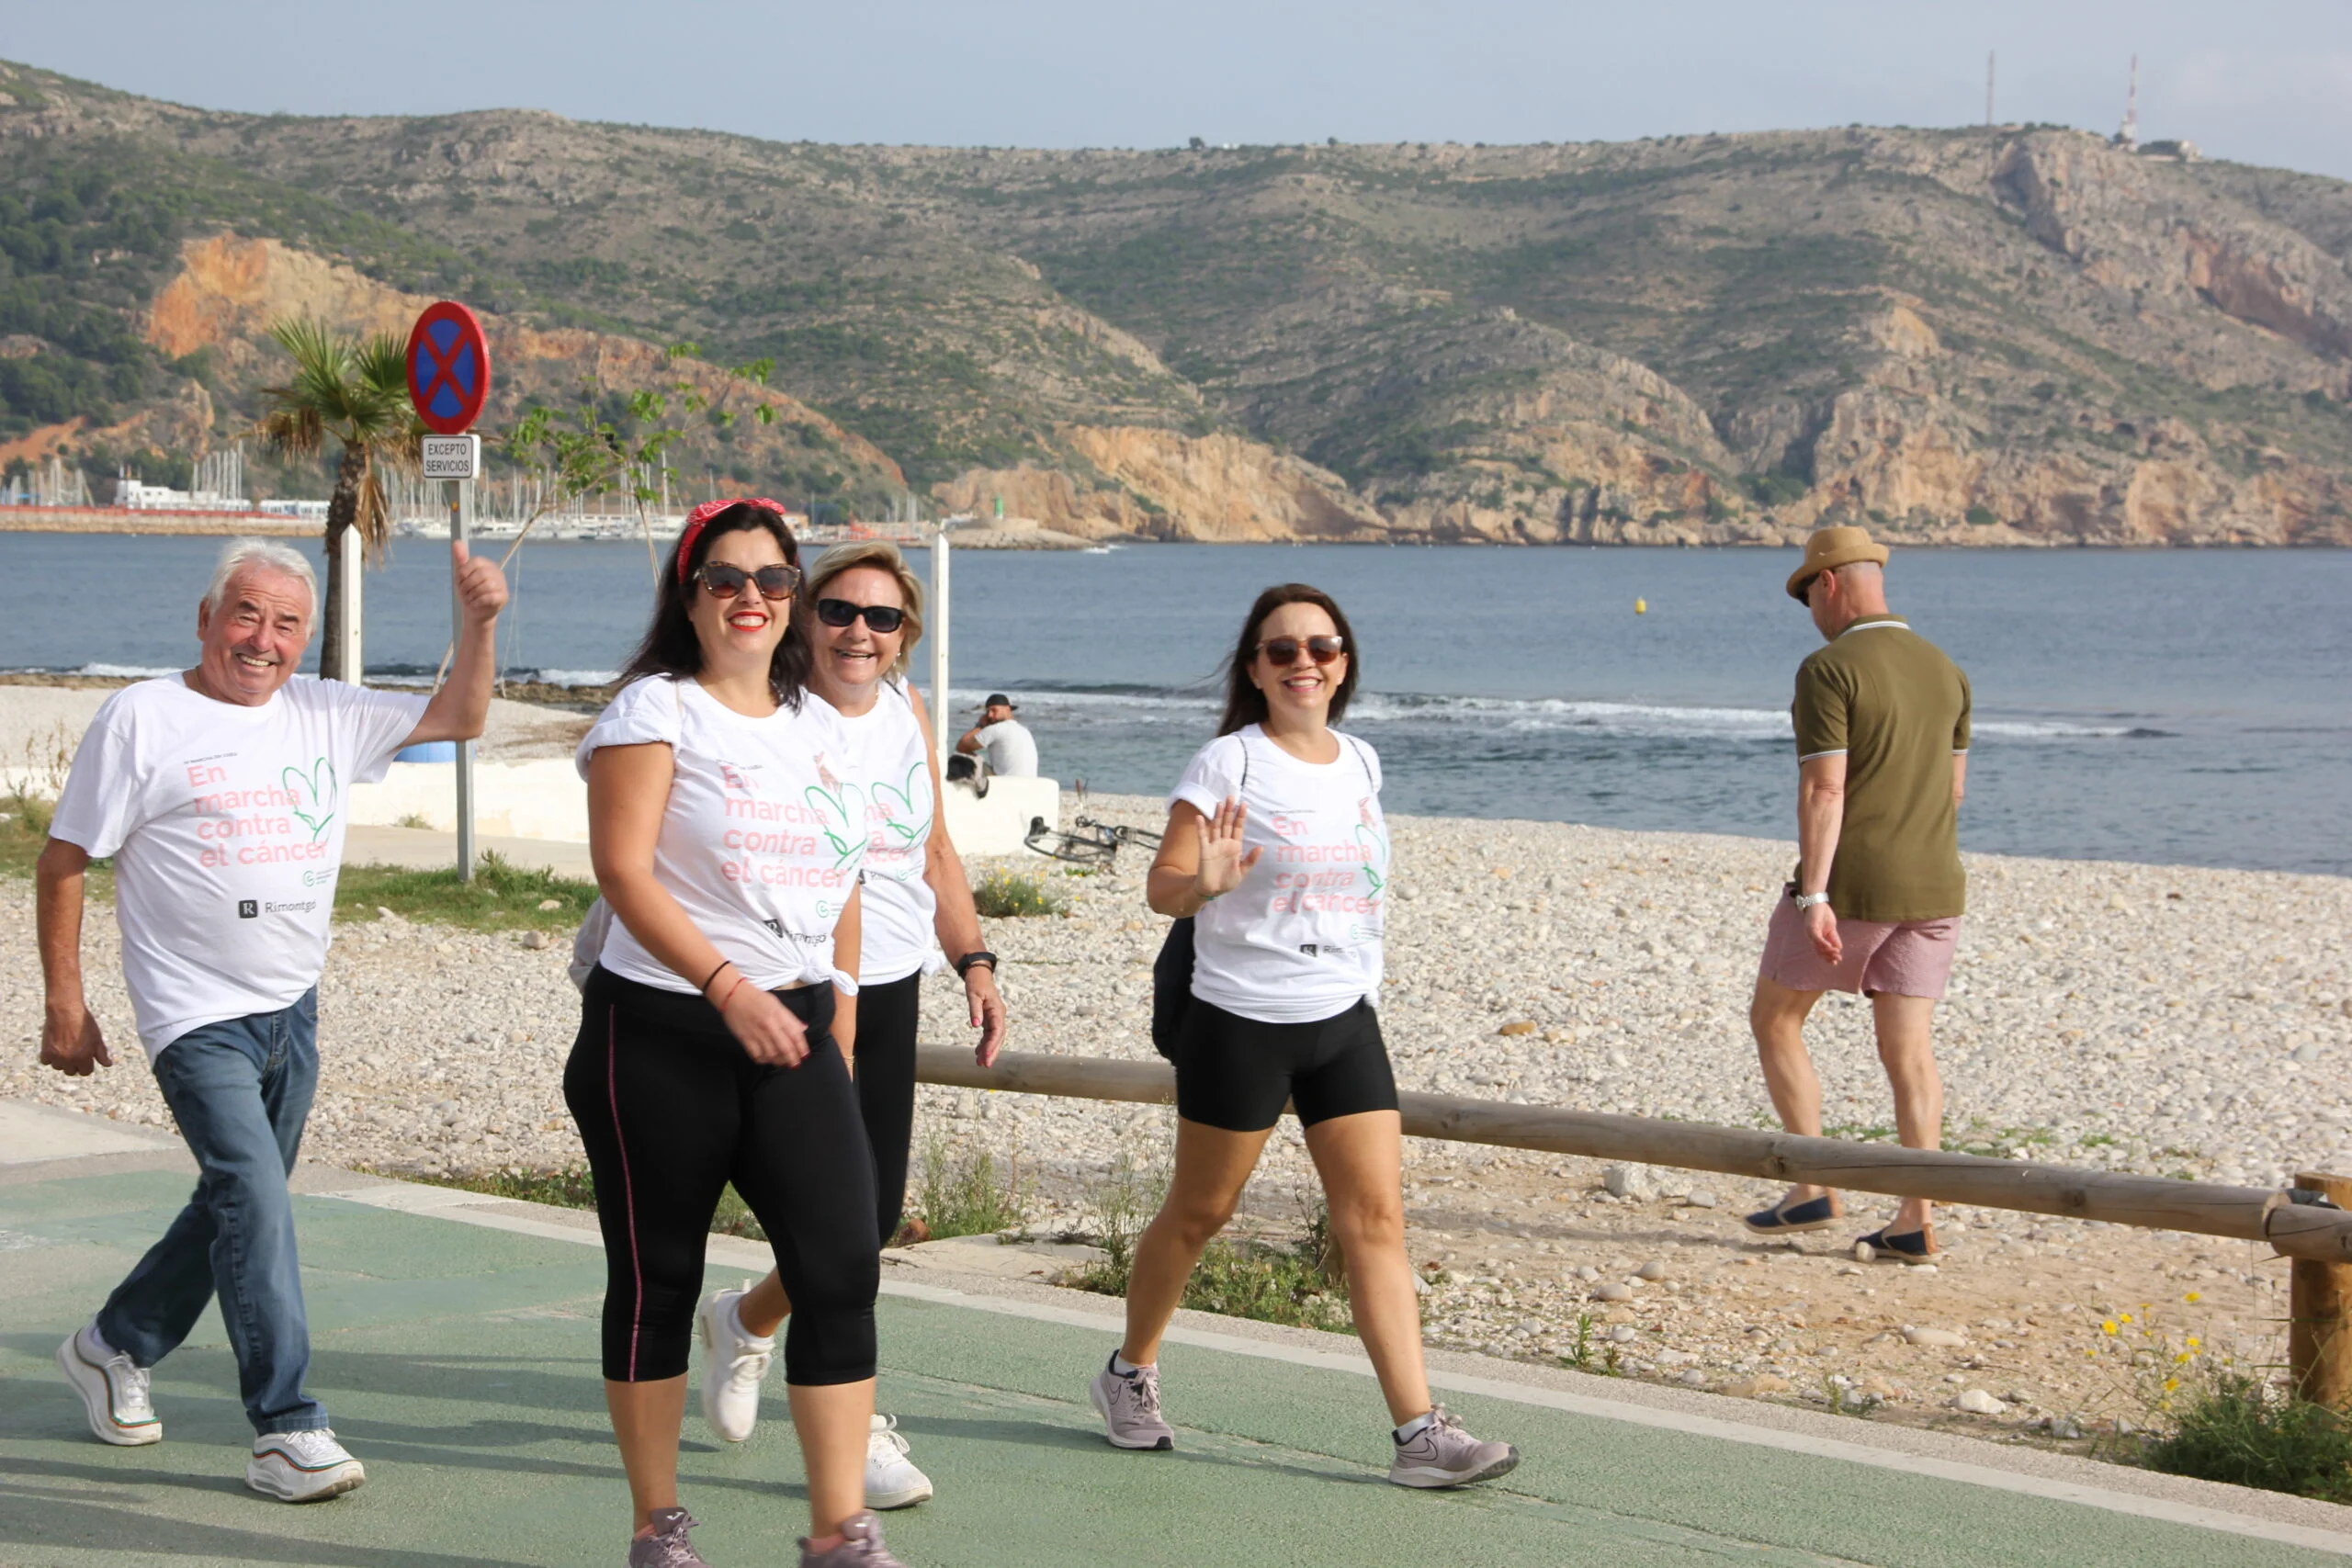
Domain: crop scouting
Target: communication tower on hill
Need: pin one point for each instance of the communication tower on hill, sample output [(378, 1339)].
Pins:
[(2129, 137)]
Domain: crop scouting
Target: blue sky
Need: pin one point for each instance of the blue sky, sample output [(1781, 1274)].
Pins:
[(2262, 81)]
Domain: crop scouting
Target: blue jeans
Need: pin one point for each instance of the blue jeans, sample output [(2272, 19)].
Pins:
[(241, 1090)]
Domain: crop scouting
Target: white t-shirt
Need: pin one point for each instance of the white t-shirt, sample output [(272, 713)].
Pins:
[(893, 767), (225, 823), (1300, 939), (756, 843), (1010, 748)]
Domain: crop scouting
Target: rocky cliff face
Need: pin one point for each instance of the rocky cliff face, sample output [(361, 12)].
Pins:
[(1140, 483), (230, 289), (2021, 335)]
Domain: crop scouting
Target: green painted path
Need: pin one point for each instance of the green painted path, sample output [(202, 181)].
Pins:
[(460, 1365)]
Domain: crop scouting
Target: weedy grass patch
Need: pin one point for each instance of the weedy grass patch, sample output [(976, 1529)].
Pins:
[(1295, 1282), (967, 1196), (1001, 895), (502, 896)]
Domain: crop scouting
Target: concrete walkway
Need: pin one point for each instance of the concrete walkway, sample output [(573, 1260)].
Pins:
[(455, 1344), (424, 850)]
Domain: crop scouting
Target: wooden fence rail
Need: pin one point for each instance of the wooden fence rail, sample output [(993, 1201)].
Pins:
[(2299, 1230)]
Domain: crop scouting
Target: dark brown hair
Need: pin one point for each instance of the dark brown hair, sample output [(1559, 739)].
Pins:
[(671, 647), (1244, 702)]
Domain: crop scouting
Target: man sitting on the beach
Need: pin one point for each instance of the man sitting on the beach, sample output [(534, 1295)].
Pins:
[(1882, 728), (220, 791), (1003, 739)]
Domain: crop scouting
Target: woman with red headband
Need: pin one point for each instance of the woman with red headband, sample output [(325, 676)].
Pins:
[(717, 1022)]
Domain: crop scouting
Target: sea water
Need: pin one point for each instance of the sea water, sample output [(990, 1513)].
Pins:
[(2169, 706)]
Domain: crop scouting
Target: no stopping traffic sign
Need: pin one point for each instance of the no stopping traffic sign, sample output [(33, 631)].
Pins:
[(448, 367)]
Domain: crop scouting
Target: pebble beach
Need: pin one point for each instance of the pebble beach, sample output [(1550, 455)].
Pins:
[(2148, 1019)]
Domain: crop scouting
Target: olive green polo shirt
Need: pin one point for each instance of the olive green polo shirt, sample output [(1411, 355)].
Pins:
[(1889, 702)]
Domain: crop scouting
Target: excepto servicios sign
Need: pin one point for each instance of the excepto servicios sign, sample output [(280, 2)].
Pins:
[(451, 457)]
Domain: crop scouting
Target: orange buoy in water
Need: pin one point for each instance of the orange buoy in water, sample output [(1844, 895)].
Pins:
[(1641, 606)]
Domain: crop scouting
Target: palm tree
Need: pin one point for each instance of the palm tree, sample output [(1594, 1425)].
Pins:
[(356, 392)]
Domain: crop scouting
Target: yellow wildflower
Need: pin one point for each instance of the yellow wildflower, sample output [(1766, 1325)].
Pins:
[(2171, 1383), (2108, 1326), (2195, 1296)]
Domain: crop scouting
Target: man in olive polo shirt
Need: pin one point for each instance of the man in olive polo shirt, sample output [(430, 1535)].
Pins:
[(1881, 730)]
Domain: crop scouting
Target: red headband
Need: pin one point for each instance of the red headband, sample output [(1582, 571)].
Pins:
[(704, 514)]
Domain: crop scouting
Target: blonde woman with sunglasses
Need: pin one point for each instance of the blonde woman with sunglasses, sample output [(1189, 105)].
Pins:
[(1277, 852), (862, 616)]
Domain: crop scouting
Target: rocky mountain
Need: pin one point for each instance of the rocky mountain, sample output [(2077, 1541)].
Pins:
[(2021, 335)]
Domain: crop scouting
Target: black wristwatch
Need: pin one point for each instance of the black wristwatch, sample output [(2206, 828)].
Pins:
[(978, 955)]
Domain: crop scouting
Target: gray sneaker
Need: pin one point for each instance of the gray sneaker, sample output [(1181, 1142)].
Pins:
[(1442, 1454), (1130, 1408), (861, 1546), (667, 1546)]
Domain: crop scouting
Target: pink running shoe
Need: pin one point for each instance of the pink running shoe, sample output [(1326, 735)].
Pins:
[(668, 1546), (1442, 1454), (861, 1546), (1129, 1407)]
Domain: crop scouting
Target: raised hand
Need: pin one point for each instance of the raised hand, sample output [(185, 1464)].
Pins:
[(1223, 862), (482, 587)]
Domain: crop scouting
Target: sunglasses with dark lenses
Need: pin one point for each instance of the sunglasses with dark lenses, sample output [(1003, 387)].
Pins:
[(841, 613), (1283, 651), (726, 581)]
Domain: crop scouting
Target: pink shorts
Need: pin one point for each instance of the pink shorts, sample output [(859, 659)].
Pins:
[(1908, 958)]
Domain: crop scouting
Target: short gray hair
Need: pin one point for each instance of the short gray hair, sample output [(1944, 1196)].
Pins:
[(260, 555)]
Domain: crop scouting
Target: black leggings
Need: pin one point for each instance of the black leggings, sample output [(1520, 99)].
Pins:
[(887, 1015), (672, 1110)]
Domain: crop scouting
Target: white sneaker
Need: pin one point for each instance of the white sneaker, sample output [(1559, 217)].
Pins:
[(114, 1391), (733, 1364), (890, 1480), (303, 1466)]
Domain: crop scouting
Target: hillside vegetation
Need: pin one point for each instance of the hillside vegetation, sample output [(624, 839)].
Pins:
[(1968, 336)]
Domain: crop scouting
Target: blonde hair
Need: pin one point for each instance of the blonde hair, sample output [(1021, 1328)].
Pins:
[(882, 555)]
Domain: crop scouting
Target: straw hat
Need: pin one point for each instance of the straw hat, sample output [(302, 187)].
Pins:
[(1827, 550)]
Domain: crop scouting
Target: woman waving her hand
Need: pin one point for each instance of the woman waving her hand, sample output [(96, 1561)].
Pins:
[(1277, 850)]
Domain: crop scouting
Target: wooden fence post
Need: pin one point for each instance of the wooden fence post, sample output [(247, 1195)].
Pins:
[(2319, 1351)]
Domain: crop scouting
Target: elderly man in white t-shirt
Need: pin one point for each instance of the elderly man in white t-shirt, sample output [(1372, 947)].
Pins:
[(220, 793)]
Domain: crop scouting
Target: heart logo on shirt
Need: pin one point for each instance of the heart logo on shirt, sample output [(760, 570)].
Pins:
[(1375, 854), (317, 787), (831, 806), (900, 820)]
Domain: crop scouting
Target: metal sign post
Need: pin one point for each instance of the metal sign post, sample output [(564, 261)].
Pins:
[(455, 459), (449, 381), (941, 728), (461, 524)]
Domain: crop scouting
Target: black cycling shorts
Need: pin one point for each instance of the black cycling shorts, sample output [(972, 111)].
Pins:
[(1234, 1072)]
